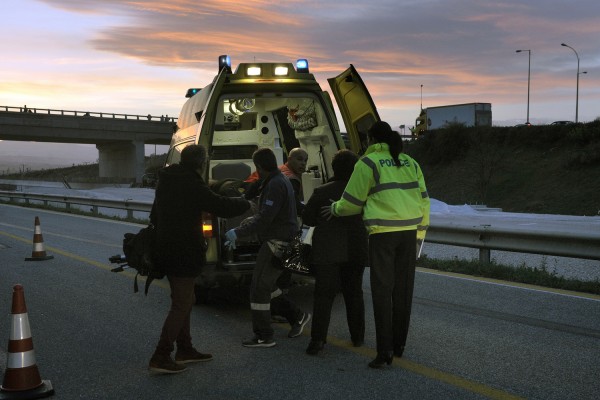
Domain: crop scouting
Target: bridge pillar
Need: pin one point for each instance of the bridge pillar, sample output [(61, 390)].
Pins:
[(121, 160)]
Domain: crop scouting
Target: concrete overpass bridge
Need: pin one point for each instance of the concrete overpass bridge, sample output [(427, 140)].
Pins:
[(119, 138)]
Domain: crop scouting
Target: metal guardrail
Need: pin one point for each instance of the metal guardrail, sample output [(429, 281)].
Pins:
[(567, 243), (73, 113), (129, 205)]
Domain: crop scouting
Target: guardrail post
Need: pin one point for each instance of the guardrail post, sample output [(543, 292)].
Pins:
[(95, 210), (484, 256), (130, 214)]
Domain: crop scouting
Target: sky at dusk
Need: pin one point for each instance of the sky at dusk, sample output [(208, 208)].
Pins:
[(140, 57)]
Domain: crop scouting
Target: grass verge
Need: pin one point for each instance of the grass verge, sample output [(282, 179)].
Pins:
[(522, 274)]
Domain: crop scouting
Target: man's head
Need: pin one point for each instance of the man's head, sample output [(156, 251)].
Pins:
[(194, 156), (343, 164), (264, 160), (297, 159)]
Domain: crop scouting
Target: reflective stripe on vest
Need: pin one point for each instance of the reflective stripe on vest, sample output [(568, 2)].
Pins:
[(392, 222)]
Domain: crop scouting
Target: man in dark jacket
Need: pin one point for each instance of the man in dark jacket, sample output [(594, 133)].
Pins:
[(275, 224), (340, 263), (181, 198)]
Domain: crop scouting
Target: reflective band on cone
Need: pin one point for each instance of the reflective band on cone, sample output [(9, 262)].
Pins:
[(38, 253), (22, 378)]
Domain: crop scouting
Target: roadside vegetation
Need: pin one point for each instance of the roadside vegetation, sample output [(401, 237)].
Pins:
[(548, 169), (539, 276)]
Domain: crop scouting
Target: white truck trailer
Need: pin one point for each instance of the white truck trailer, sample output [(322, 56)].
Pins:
[(469, 114)]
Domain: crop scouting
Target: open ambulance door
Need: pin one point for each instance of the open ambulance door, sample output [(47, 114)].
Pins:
[(356, 106)]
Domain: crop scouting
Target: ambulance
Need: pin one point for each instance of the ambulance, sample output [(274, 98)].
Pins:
[(275, 105)]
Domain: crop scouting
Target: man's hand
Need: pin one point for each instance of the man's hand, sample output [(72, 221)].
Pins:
[(230, 237)]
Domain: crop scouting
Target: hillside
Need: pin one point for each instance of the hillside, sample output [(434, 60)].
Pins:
[(536, 169)]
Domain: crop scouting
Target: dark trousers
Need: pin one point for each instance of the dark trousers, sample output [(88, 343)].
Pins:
[(265, 294), (329, 280), (176, 327), (392, 259)]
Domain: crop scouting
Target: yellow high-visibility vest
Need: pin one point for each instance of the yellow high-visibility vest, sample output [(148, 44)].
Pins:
[(391, 198)]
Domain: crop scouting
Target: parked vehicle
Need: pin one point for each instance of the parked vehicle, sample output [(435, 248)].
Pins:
[(276, 105), (469, 114)]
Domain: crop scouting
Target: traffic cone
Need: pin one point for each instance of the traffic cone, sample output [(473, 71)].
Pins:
[(22, 378), (38, 253)]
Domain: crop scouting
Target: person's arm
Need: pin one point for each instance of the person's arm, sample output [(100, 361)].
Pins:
[(356, 192), (271, 202), (222, 206), (425, 205)]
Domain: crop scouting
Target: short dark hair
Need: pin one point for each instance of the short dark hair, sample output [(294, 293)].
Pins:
[(194, 156), (343, 164), (265, 158)]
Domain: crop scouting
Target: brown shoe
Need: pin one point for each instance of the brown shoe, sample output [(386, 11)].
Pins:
[(165, 365), (191, 355)]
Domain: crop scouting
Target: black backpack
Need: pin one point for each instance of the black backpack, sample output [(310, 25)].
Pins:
[(138, 249)]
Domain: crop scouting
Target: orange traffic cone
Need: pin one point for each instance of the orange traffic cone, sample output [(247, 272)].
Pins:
[(38, 253), (22, 378)]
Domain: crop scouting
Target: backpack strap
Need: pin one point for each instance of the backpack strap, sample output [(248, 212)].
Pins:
[(135, 284), (149, 280)]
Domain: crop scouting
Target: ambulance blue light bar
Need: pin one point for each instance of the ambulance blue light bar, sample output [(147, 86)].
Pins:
[(192, 91), (224, 62), (302, 65)]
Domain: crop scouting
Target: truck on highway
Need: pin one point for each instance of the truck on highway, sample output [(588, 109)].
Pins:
[(277, 105), (469, 114)]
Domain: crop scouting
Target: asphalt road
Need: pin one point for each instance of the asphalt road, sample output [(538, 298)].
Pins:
[(469, 338)]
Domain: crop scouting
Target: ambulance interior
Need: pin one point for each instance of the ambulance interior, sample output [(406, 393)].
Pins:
[(280, 122)]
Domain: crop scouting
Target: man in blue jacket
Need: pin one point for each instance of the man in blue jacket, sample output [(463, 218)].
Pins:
[(275, 224)]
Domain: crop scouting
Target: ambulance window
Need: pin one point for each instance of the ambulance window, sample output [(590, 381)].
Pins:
[(174, 155)]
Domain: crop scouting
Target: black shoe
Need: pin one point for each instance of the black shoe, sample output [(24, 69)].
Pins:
[(258, 342), (399, 351), (298, 327), (165, 365), (314, 347), (382, 359)]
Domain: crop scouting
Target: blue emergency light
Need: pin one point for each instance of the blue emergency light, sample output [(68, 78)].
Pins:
[(224, 62), (302, 65), (191, 92)]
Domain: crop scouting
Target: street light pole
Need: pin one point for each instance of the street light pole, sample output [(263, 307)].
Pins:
[(421, 97), (528, 80), (577, 91)]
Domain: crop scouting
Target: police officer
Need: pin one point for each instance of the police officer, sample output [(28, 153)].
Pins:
[(388, 188)]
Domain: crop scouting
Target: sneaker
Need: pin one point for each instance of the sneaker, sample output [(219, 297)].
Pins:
[(190, 356), (258, 342), (298, 327), (165, 365)]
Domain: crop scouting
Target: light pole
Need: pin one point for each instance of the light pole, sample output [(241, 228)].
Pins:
[(577, 92), (528, 80), (421, 97)]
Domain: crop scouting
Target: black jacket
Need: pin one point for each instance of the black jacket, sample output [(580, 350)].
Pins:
[(339, 240), (181, 197)]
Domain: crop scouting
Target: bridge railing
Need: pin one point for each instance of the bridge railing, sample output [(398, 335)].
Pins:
[(566, 243), (73, 113)]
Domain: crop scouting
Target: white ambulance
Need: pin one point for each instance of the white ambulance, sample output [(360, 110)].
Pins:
[(276, 105)]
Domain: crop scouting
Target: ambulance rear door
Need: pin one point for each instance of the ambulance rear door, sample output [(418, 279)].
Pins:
[(356, 106)]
